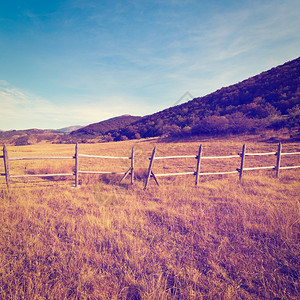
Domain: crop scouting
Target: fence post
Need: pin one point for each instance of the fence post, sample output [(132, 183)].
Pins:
[(242, 161), (131, 169), (278, 154), (132, 165), (198, 165), (6, 166), (150, 168), (76, 165)]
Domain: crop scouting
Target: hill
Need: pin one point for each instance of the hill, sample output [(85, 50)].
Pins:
[(70, 134), (29, 137), (34, 136), (101, 128), (68, 129), (268, 100)]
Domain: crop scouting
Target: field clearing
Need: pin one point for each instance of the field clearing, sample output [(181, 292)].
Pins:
[(224, 239)]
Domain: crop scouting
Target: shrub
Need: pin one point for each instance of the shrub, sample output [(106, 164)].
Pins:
[(123, 138), (239, 123), (211, 125), (172, 130)]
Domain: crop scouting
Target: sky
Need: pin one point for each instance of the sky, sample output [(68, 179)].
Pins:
[(77, 62)]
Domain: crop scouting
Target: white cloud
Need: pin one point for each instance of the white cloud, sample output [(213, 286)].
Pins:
[(139, 70), (21, 109), (237, 44), (252, 28)]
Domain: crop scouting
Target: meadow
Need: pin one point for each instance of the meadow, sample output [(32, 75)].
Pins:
[(225, 239)]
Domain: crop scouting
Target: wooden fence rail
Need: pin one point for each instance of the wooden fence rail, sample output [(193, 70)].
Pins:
[(150, 174), (199, 158), (130, 171), (76, 172)]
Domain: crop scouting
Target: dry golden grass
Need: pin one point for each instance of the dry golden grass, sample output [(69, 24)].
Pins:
[(224, 239)]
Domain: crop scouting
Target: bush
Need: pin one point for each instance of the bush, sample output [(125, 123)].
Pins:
[(294, 117), (123, 138), (239, 123), (108, 138), (187, 130), (137, 136), (172, 130), (211, 125)]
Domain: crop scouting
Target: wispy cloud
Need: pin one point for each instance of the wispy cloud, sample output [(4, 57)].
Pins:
[(21, 109), (234, 45), (90, 60), (192, 54), (252, 28)]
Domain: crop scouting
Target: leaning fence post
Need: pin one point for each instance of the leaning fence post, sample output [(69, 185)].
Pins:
[(278, 153), (132, 165), (76, 165), (242, 161), (198, 165), (150, 168), (6, 166)]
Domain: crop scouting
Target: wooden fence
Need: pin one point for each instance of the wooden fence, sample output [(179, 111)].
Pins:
[(76, 172), (197, 173), (150, 174)]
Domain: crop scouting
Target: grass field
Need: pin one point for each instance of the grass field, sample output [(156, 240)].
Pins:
[(224, 239)]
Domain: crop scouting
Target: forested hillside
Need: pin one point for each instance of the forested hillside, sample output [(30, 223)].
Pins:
[(268, 100), (101, 128)]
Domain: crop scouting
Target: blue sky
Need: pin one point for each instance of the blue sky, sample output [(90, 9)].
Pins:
[(78, 62)]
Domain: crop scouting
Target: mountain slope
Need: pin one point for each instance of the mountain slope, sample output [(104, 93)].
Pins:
[(69, 129), (101, 128), (268, 100)]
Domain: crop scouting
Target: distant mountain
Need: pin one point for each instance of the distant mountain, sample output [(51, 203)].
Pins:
[(11, 133), (268, 100), (100, 128), (29, 137), (68, 129), (70, 134)]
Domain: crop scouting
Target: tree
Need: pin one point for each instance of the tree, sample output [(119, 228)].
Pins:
[(172, 130), (211, 125), (294, 118), (239, 123)]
